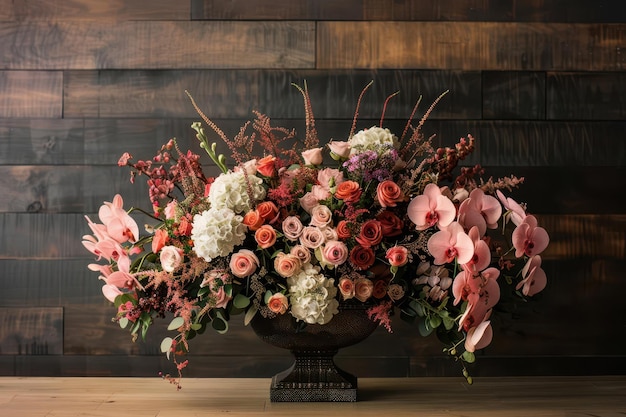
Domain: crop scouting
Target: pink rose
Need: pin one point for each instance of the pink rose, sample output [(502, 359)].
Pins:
[(320, 193), (329, 177), (292, 227), (308, 201), (215, 281), (346, 288), (397, 255), (341, 150), (249, 167), (286, 264), (243, 263), (363, 289), (278, 303), (321, 216), (302, 253), (170, 209), (312, 237), (171, 257), (312, 156), (335, 252)]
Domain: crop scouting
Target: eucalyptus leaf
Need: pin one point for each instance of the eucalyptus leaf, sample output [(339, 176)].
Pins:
[(250, 314), (176, 323), (434, 321), (166, 346), (268, 295), (123, 322), (448, 323), (424, 328), (241, 301), (468, 357), (220, 325), (196, 326)]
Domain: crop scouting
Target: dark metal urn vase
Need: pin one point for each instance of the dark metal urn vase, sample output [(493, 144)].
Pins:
[(314, 376)]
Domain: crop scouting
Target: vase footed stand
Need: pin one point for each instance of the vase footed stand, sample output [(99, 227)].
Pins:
[(313, 377)]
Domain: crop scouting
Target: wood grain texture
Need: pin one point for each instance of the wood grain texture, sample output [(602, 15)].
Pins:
[(471, 46), (411, 10), (585, 96), (30, 93), (156, 45), (31, 331), (514, 95), (47, 10)]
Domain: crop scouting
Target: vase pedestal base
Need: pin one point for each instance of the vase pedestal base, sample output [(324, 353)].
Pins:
[(314, 377)]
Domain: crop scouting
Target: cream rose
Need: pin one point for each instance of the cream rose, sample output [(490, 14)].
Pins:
[(171, 257)]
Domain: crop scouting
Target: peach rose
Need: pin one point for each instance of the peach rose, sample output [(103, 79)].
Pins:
[(362, 257), (343, 229), (397, 255), (268, 211), (253, 220), (335, 252), (349, 191), (266, 166), (339, 150), (243, 263), (390, 223), (265, 236), (302, 253), (371, 233), (308, 201), (159, 240), (346, 288), (171, 257), (321, 216), (292, 227), (278, 303), (286, 264), (313, 156), (389, 194), (363, 289)]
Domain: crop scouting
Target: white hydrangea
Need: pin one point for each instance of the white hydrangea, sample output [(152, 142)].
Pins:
[(372, 139), (216, 232), (230, 190), (312, 296)]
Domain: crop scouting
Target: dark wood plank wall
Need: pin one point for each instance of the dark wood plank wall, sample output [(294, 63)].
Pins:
[(540, 83)]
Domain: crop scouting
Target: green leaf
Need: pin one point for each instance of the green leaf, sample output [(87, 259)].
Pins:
[(219, 323), (434, 321), (417, 307), (424, 328), (241, 301), (250, 314), (123, 322), (166, 346), (448, 322), (268, 295), (196, 326), (468, 357), (176, 323), (144, 330)]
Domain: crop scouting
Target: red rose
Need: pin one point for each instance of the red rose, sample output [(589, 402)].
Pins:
[(362, 257), (344, 230), (348, 191), (371, 233), (390, 223), (389, 193)]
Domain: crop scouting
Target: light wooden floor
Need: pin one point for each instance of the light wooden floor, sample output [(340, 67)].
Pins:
[(381, 397)]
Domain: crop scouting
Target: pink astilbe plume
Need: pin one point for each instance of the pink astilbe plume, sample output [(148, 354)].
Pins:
[(380, 313)]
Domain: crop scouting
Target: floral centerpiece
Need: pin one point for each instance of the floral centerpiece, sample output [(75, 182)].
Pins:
[(298, 227)]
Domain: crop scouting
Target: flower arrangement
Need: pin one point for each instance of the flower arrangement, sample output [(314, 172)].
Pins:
[(386, 220)]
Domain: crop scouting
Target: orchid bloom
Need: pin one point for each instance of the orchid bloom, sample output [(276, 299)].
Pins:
[(450, 244), (514, 210), (118, 222), (480, 210), (534, 277), (431, 208), (479, 337), (482, 254), (529, 239)]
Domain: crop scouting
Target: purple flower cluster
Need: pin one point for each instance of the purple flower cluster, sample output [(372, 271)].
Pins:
[(372, 165)]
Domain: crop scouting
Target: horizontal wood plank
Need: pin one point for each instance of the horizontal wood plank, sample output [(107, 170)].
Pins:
[(31, 331), (94, 10), (156, 45), (234, 94), (471, 46), (30, 93), (498, 142), (514, 95), (411, 10), (586, 96)]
